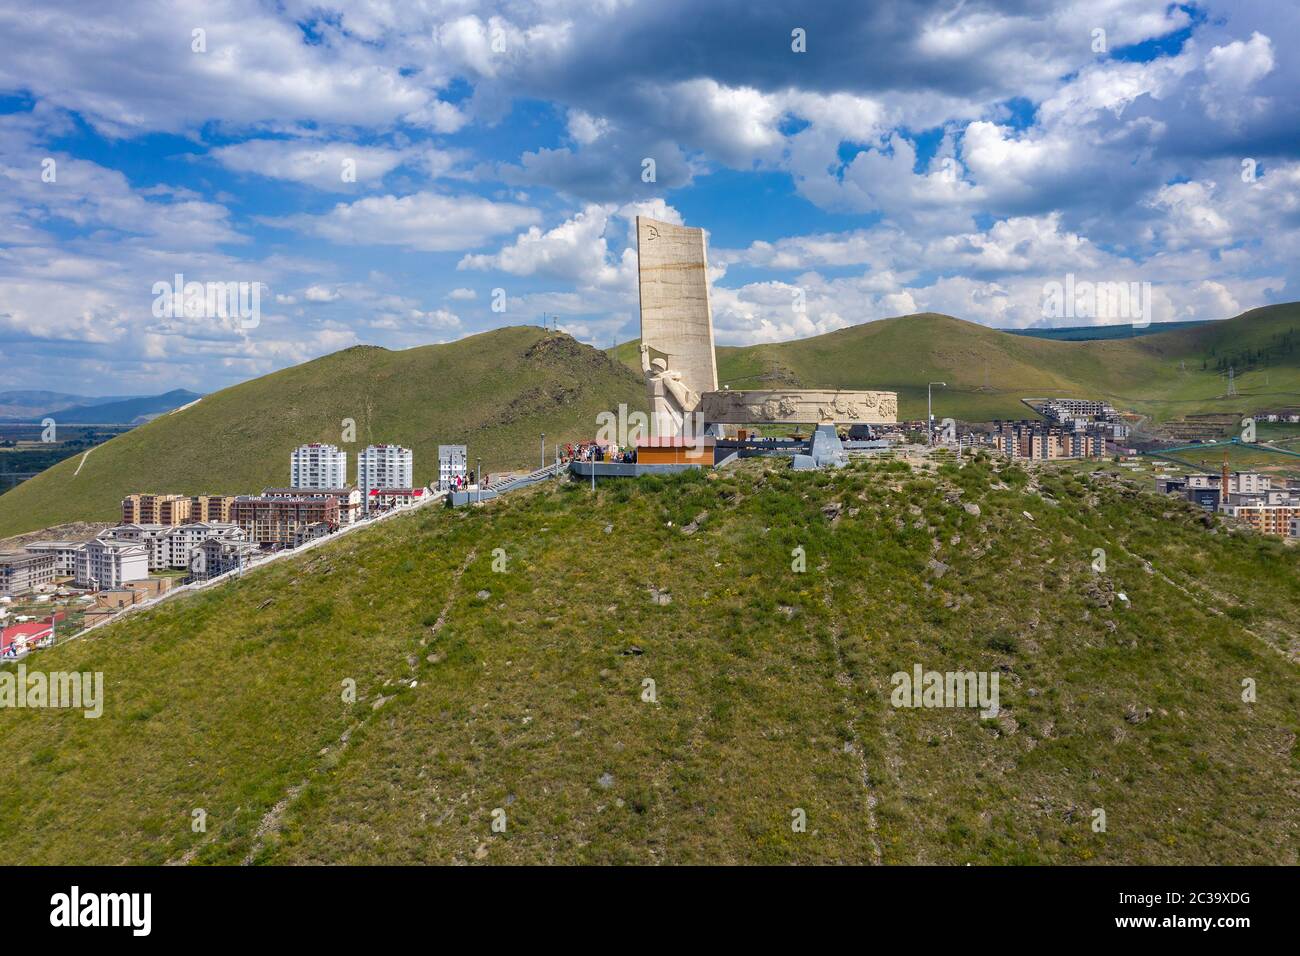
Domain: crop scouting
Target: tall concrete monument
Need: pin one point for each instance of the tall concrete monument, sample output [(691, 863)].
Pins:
[(675, 315), (676, 322)]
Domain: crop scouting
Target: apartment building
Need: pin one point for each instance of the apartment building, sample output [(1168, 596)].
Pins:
[(1239, 483), (218, 555), (150, 536), (106, 563), (272, 522), (1080, 414), (1249, 483), (311, 533), (65, 554), (214, 508), (156, 509), (349, 499), (1025, 439), (1082, 444), (179, 544), (1264, 517), (383, 466), (318, 466), (171, 547), (1079, 408), (24, 571)]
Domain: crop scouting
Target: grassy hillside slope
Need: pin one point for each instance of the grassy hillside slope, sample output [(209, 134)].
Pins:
[(496, 392), (523, 690), (988, 372)]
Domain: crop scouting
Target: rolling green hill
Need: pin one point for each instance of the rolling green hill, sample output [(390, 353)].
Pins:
[(988, 371), (496, 392), (499, 390), (524, 691)]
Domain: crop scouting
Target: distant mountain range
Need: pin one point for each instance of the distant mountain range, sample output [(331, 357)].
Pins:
[(31, 405), (1091, 333)]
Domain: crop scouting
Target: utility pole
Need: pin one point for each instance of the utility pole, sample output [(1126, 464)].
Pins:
[(929, 411), (543, 464), (478, 478)]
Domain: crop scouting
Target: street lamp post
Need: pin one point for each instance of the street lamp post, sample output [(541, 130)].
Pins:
[(543, 465), (478, 478), (929, 411)]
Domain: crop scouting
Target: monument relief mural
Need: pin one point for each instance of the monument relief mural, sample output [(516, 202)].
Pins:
[(799, 406)]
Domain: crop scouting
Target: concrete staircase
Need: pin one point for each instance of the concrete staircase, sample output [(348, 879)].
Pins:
[(501, 486)]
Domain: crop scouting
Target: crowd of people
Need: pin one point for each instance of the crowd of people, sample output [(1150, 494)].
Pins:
[(597, 451)]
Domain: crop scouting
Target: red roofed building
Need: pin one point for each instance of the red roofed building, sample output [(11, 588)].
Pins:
[(17, 640)]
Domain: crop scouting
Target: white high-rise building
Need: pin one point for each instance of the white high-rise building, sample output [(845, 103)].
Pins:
[(318, 466), (382, 466)]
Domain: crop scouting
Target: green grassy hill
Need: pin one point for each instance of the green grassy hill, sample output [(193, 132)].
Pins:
[(988, 371), (522, 691), (496, 392)]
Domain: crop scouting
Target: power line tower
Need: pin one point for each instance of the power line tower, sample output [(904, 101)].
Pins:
[(1232, 382)]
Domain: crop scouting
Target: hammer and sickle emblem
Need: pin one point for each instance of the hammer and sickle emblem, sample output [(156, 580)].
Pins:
[(652, 233)]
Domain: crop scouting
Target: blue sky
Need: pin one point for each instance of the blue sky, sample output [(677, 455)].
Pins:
[(914, 157)]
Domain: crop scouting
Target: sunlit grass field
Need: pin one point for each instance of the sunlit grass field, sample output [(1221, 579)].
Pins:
[(520, 695)]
